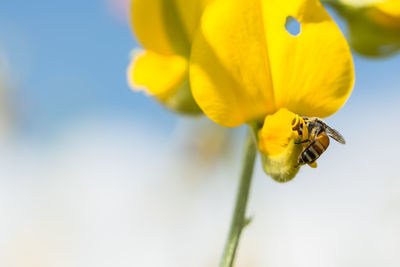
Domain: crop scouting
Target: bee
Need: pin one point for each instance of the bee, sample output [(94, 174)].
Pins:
[(316, 133)]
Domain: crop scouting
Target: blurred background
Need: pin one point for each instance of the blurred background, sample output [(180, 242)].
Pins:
[(93, 174)]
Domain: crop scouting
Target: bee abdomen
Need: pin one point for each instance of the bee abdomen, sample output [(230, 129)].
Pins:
[(309, 155), (318, 147), (315, 149), (322, 141)]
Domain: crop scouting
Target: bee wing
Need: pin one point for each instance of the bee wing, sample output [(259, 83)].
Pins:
[(331, 132), (335, 135)]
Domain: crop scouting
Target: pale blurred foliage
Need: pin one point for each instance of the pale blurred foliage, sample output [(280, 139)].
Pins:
[(106, 193), (110, 192), (204, 145), (372, 31), (37, 247), (360, 3)]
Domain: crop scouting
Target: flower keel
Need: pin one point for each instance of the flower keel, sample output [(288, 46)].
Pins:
[(277, 143)]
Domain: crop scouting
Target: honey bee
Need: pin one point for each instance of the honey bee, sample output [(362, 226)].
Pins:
[(315, 132)]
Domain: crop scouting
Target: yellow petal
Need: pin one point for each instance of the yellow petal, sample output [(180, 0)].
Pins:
[(148, 23), (156, 74), (229, 70), (390, 7), (164, 77), (166, 26), (244, 63), (190, 12), (276, 133), (387, 14), (312, 72)]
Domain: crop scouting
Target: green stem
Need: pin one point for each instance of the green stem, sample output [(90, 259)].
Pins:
[(239, 215)]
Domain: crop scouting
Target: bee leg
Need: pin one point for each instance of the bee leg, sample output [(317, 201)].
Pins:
[(313, 164), (300, 162), (302, 142)]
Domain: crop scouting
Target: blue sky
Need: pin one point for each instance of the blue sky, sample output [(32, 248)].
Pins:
[(68, 58)]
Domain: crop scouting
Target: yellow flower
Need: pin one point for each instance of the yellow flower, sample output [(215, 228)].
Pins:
[(165, 28), (374, 28), (387, 14), (247, 67)]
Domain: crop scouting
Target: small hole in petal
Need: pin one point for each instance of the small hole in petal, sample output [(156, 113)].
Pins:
[(292, 26)]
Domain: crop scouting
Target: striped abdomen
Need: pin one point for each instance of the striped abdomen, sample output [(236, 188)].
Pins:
[(312, 152)]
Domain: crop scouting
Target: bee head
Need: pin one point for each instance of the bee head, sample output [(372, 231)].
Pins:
[(296, 122)]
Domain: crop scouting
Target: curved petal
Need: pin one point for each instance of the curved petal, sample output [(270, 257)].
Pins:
[(312, 72), (387, 14), (166, 26), (244, 64), (148, 23), (390, 7), (190, 12), (164, 77), (276, 133), (156, 74), (229, 71)]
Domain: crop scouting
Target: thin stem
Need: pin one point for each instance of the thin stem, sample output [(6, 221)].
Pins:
[(239, 215)]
